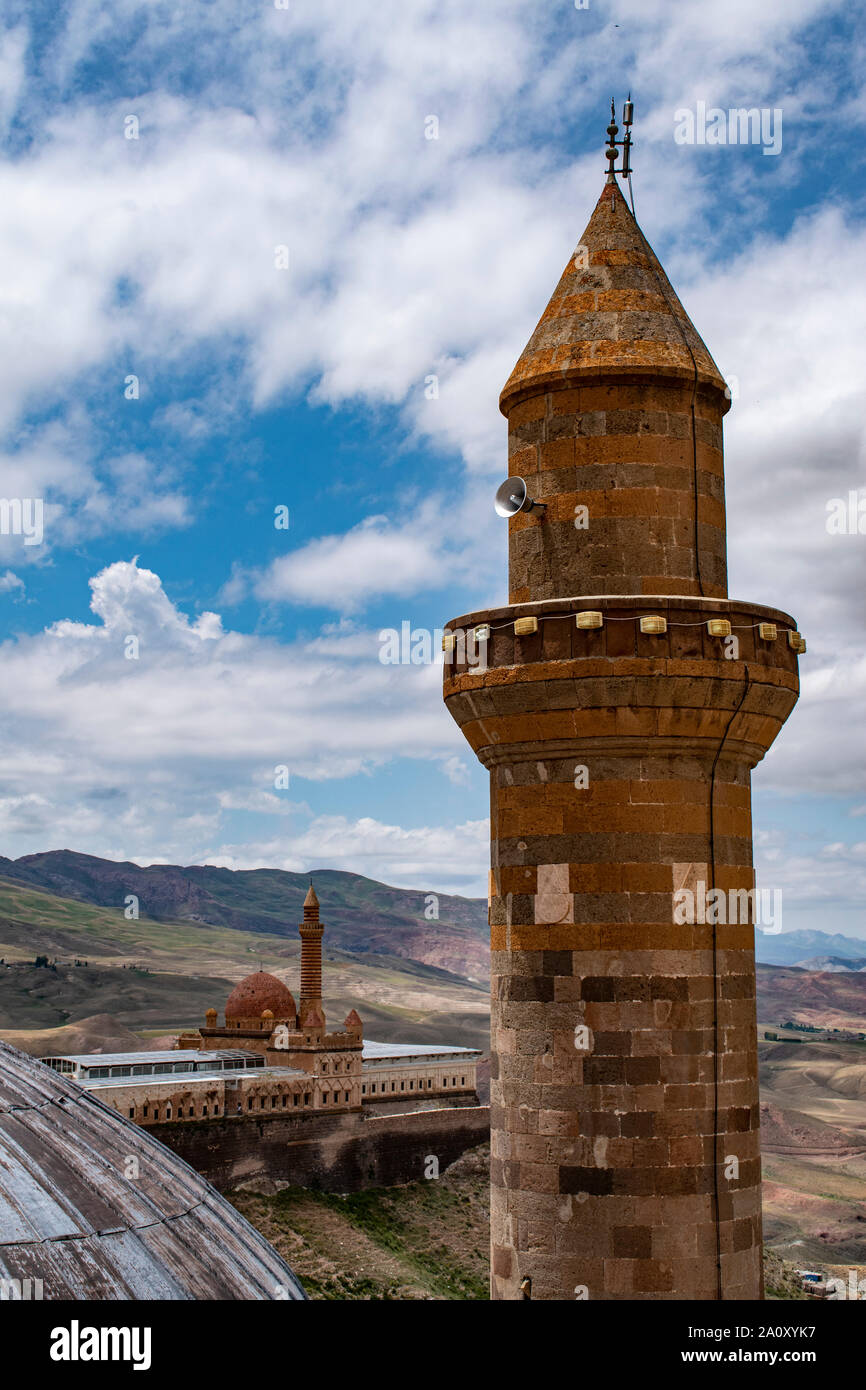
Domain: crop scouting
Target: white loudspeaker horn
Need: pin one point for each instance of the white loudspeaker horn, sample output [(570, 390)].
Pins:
[(512, 497)]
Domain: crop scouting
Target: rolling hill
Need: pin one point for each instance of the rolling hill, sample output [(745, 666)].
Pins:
[(160, 976), (361, 915), (821, 999)]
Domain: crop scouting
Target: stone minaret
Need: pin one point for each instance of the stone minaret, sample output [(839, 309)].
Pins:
[(311, 932), (624, 1100)]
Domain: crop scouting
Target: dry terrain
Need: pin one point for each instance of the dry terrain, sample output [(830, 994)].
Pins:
[(813, 1129), (427, 1240), (824, 999)]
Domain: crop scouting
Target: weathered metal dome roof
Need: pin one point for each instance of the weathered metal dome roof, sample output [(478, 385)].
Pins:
[(258, 992), (75, 1214)]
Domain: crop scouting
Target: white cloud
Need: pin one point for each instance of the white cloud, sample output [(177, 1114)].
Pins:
[(144, 756), (450, 859), (376, 557), (456, 771), (408, 258)]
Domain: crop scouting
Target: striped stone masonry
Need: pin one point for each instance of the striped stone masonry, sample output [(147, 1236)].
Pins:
[(604, 766), (624, 1084)]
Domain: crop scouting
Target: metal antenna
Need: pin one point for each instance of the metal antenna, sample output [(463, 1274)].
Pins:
[(614, 145), (612, 153), (627, 118)]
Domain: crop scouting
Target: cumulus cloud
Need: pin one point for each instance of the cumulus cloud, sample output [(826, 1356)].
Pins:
[(408, 259), (452, 859), (407, 256), (135, 734), (373, 558)]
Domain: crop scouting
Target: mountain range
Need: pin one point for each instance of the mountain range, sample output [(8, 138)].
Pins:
[(360, 915), (200, 929), (794, 947)]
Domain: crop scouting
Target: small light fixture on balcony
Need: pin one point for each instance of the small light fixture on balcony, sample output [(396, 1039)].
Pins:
[(524, 626), (482, 633), (589, 618), (653, 623), (719, 627), (768, 632)]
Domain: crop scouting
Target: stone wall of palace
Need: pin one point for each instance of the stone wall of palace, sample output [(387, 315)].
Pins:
[(332, 1152)]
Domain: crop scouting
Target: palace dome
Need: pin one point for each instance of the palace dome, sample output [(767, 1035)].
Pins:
[(259, 992)]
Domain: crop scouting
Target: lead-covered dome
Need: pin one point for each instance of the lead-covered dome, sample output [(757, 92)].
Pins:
[(95, 1208), (258, 992)]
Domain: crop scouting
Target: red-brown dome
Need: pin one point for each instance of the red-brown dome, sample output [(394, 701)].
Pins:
[(258, 992)]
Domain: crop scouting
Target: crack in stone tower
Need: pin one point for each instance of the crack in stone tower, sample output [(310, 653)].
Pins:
[(624, 1101)]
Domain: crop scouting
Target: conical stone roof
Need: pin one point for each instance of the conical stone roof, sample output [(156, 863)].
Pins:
[(613, 312)]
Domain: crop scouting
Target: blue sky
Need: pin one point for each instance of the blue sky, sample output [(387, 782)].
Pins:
[(304, 128)]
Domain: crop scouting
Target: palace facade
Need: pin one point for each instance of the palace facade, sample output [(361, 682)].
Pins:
[(272, 1057)]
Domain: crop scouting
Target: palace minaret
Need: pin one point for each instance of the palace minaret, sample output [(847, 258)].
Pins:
[(311, 933), (624, 1095)]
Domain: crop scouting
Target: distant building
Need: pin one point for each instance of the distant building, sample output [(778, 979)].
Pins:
[(271, 1057)]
